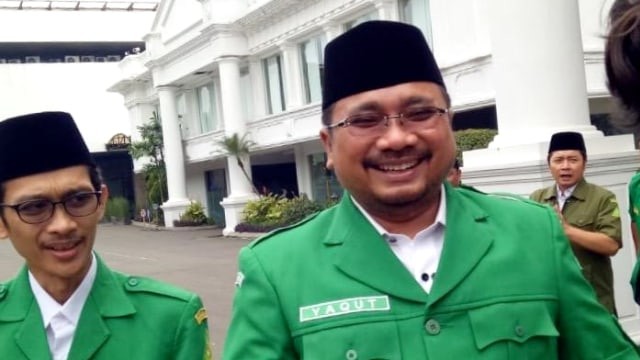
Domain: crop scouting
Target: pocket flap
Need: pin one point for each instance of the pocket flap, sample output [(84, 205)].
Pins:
[(512, 321)]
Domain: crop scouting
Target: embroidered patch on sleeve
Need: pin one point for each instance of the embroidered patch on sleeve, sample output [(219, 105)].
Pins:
[(239, 279), (201, 316)]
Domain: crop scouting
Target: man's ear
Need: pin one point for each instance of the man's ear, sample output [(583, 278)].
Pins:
[(4, 229), (325, 136), (104, 197)]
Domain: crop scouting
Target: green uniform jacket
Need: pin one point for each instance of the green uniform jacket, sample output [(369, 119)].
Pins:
[(591, 208), (634, 213), (507, 287), (124, 318)]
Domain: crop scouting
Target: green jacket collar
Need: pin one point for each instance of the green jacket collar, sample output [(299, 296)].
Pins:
[(580, 192), (106, 299), (365, 256)]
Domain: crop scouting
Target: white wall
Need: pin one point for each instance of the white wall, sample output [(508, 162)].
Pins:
[(78, 88), (42, 25)]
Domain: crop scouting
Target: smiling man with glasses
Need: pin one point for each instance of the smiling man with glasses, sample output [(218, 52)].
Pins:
[(407, 266), (66, 304)]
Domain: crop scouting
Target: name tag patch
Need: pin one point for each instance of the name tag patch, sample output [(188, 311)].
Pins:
[(344, 306)]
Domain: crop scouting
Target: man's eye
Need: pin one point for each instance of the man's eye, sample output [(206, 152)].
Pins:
[(420, 114), (34, 206), (79, 199), (365, 120)]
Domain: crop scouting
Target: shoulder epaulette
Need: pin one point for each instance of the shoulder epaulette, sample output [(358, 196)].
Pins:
[(143, 284), (4, 289), (282, 229)]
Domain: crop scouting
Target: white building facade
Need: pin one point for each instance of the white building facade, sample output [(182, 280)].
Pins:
[(215, 68)]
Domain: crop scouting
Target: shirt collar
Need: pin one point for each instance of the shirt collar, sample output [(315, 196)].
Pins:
[(72, 308), (440, 215), (567, 193)]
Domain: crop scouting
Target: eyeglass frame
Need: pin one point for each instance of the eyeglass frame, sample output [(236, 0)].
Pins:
[(348, 121), (62, 202)]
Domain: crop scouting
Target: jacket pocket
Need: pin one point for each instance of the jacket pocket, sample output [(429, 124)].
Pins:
[(352, 341), (523, 330)]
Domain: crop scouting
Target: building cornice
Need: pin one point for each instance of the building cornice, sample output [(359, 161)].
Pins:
[(255, 21)]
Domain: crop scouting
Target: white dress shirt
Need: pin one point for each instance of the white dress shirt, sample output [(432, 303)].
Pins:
[(60, 321), (564, 195), (420, 255)]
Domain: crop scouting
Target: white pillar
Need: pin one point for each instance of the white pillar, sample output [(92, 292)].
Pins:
[(303, 171), (240, 189), (538, 69), (292, 75), (387, 9), (174, 156)]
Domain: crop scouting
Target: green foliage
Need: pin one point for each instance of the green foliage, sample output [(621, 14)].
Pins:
[(152, 143), (470, 139), (239, 147), (118, 209), (267, 210), (299, 208), (272, 211), (152, 146), (194, 213)]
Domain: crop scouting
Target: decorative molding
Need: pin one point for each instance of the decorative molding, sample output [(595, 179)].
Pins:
[(272, 120), (252, 25)]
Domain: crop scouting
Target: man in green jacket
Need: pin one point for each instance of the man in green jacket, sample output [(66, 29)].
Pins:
[(66, 304), (589, 213), (406, 266)]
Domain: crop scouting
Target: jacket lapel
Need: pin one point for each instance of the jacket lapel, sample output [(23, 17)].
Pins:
[(21, 306), (467, 239), (363, 254), (106, 299)]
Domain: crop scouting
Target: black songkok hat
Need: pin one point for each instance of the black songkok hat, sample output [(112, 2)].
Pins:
[(375, 55), (567, 141), (40, 142)]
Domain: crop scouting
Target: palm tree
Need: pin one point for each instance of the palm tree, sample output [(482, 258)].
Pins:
[(240, 148)]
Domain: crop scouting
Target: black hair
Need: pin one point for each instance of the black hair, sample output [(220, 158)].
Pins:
[(622, 59)]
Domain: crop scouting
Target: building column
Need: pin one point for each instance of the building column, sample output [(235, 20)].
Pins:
[(387, 9), (291, 71), (303, 171), (540, 87), (174, 156), (240, 188)]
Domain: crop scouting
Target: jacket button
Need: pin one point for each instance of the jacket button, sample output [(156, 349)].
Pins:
[(432, 326), (519, 330), (351, 354), (133, 282)]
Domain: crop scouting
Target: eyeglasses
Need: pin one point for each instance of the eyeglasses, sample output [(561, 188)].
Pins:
[(375, 123), (40, 210)]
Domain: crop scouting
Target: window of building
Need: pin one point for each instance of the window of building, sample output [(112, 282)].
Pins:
[(247, 94), (373, 15), (181, 109), (311, 52), (273, 79), (417, 12), (207, 109)]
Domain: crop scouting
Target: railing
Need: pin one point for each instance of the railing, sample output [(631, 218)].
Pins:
[(74, 5)]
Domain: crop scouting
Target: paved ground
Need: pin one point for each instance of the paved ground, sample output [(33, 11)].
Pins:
[(198, 260)]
